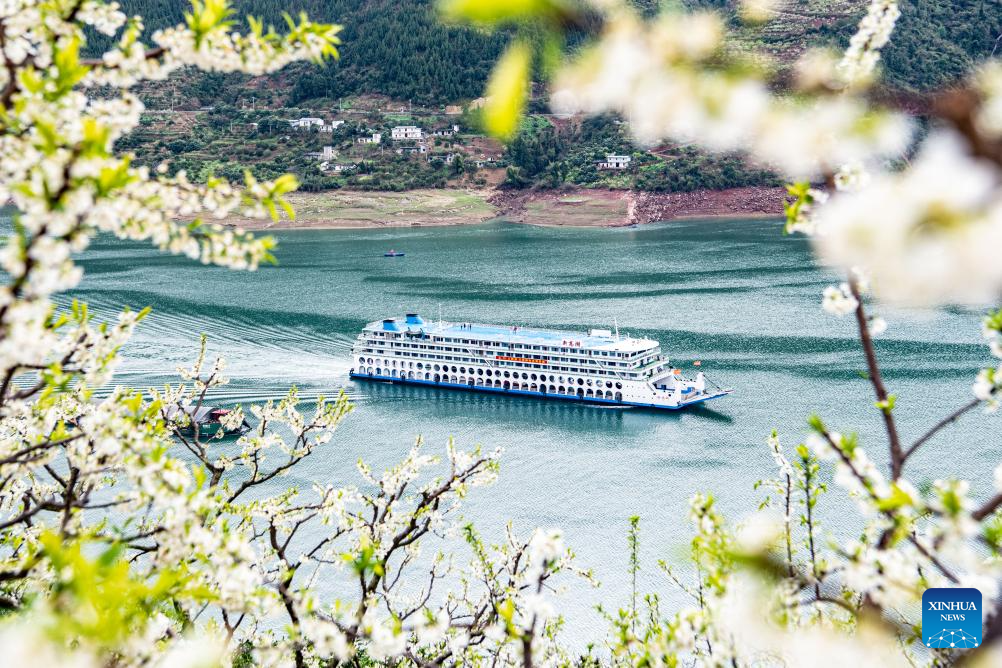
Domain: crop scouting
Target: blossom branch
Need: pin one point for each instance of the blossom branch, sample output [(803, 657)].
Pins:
[(884, 400)]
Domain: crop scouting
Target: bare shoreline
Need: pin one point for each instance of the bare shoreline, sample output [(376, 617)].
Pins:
[(576, 207)]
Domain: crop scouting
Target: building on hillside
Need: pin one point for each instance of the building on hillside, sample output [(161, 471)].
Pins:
[(332, 127), (448, 132), (615, 162), (306, 123), (447, 158), (417, 148), (337, 167), (327, 154), (402, 132), (374, 138)]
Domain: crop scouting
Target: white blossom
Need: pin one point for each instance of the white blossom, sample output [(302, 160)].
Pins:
[(839, 300), (925, 236)]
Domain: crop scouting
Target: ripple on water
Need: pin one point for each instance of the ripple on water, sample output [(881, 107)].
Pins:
[(735, 294)]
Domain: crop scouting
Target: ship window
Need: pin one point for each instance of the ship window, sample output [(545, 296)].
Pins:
[(507, 374), (619, 386), (580, 381), (525, 375)]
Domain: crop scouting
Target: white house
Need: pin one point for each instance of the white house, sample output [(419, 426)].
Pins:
[(615, 162), (447, 132), (337, 168), (306, 123), (332, 127), (375, 138), (327, 154), (406, 132), (447, 158)]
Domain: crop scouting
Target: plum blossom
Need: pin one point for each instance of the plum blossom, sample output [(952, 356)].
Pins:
[(927, 235), (653, 75), (986, 388), (874, 31), (839, 300)]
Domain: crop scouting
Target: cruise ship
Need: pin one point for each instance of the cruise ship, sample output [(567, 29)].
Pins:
[(599, 367)]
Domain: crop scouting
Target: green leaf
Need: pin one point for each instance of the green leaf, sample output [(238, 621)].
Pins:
[(491, 12), (816, 424), (507, 91)]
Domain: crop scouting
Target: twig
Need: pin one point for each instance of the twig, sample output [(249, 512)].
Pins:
[(945, 422), (897, 454)]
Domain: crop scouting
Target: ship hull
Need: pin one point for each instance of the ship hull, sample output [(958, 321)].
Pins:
[(535, 394)]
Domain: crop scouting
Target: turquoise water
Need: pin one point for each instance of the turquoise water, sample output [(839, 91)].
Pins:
[(737, 295)]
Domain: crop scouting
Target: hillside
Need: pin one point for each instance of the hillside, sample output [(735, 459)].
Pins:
[(935, 41), (401, 66), (396, 48)]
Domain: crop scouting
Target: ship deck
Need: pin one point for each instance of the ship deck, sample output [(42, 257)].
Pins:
[(539, 395), (529, 336)]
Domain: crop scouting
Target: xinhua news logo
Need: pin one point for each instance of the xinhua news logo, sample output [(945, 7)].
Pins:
[(951, 618)]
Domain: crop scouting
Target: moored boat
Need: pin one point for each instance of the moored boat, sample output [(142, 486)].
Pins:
[(599, 367), (208, 420)]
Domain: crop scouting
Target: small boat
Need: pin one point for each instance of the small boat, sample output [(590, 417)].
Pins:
[(393, 253), (208, 419)]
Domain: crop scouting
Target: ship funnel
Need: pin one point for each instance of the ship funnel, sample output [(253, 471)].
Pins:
[(390, 325), (414, 319)]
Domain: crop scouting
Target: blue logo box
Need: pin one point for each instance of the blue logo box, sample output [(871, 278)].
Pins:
[(951, 618)]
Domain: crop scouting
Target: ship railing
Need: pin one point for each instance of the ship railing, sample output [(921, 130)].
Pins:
[(473, 352), (505, 339), (483, 353), (615, 372)]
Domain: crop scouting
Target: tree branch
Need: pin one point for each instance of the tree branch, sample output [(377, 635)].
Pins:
[(894, 441)]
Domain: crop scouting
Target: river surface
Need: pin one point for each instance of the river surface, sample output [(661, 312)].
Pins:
[(737, 295)]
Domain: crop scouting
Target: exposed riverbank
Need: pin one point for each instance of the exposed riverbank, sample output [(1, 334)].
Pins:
[(617, 208), (551, 208)]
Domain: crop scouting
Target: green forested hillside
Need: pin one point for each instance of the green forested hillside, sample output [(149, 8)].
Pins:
[(399, 48), (939, 40), (934, 43), (394, 47)]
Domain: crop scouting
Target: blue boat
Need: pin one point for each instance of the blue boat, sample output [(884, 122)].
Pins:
[(393, 253)]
